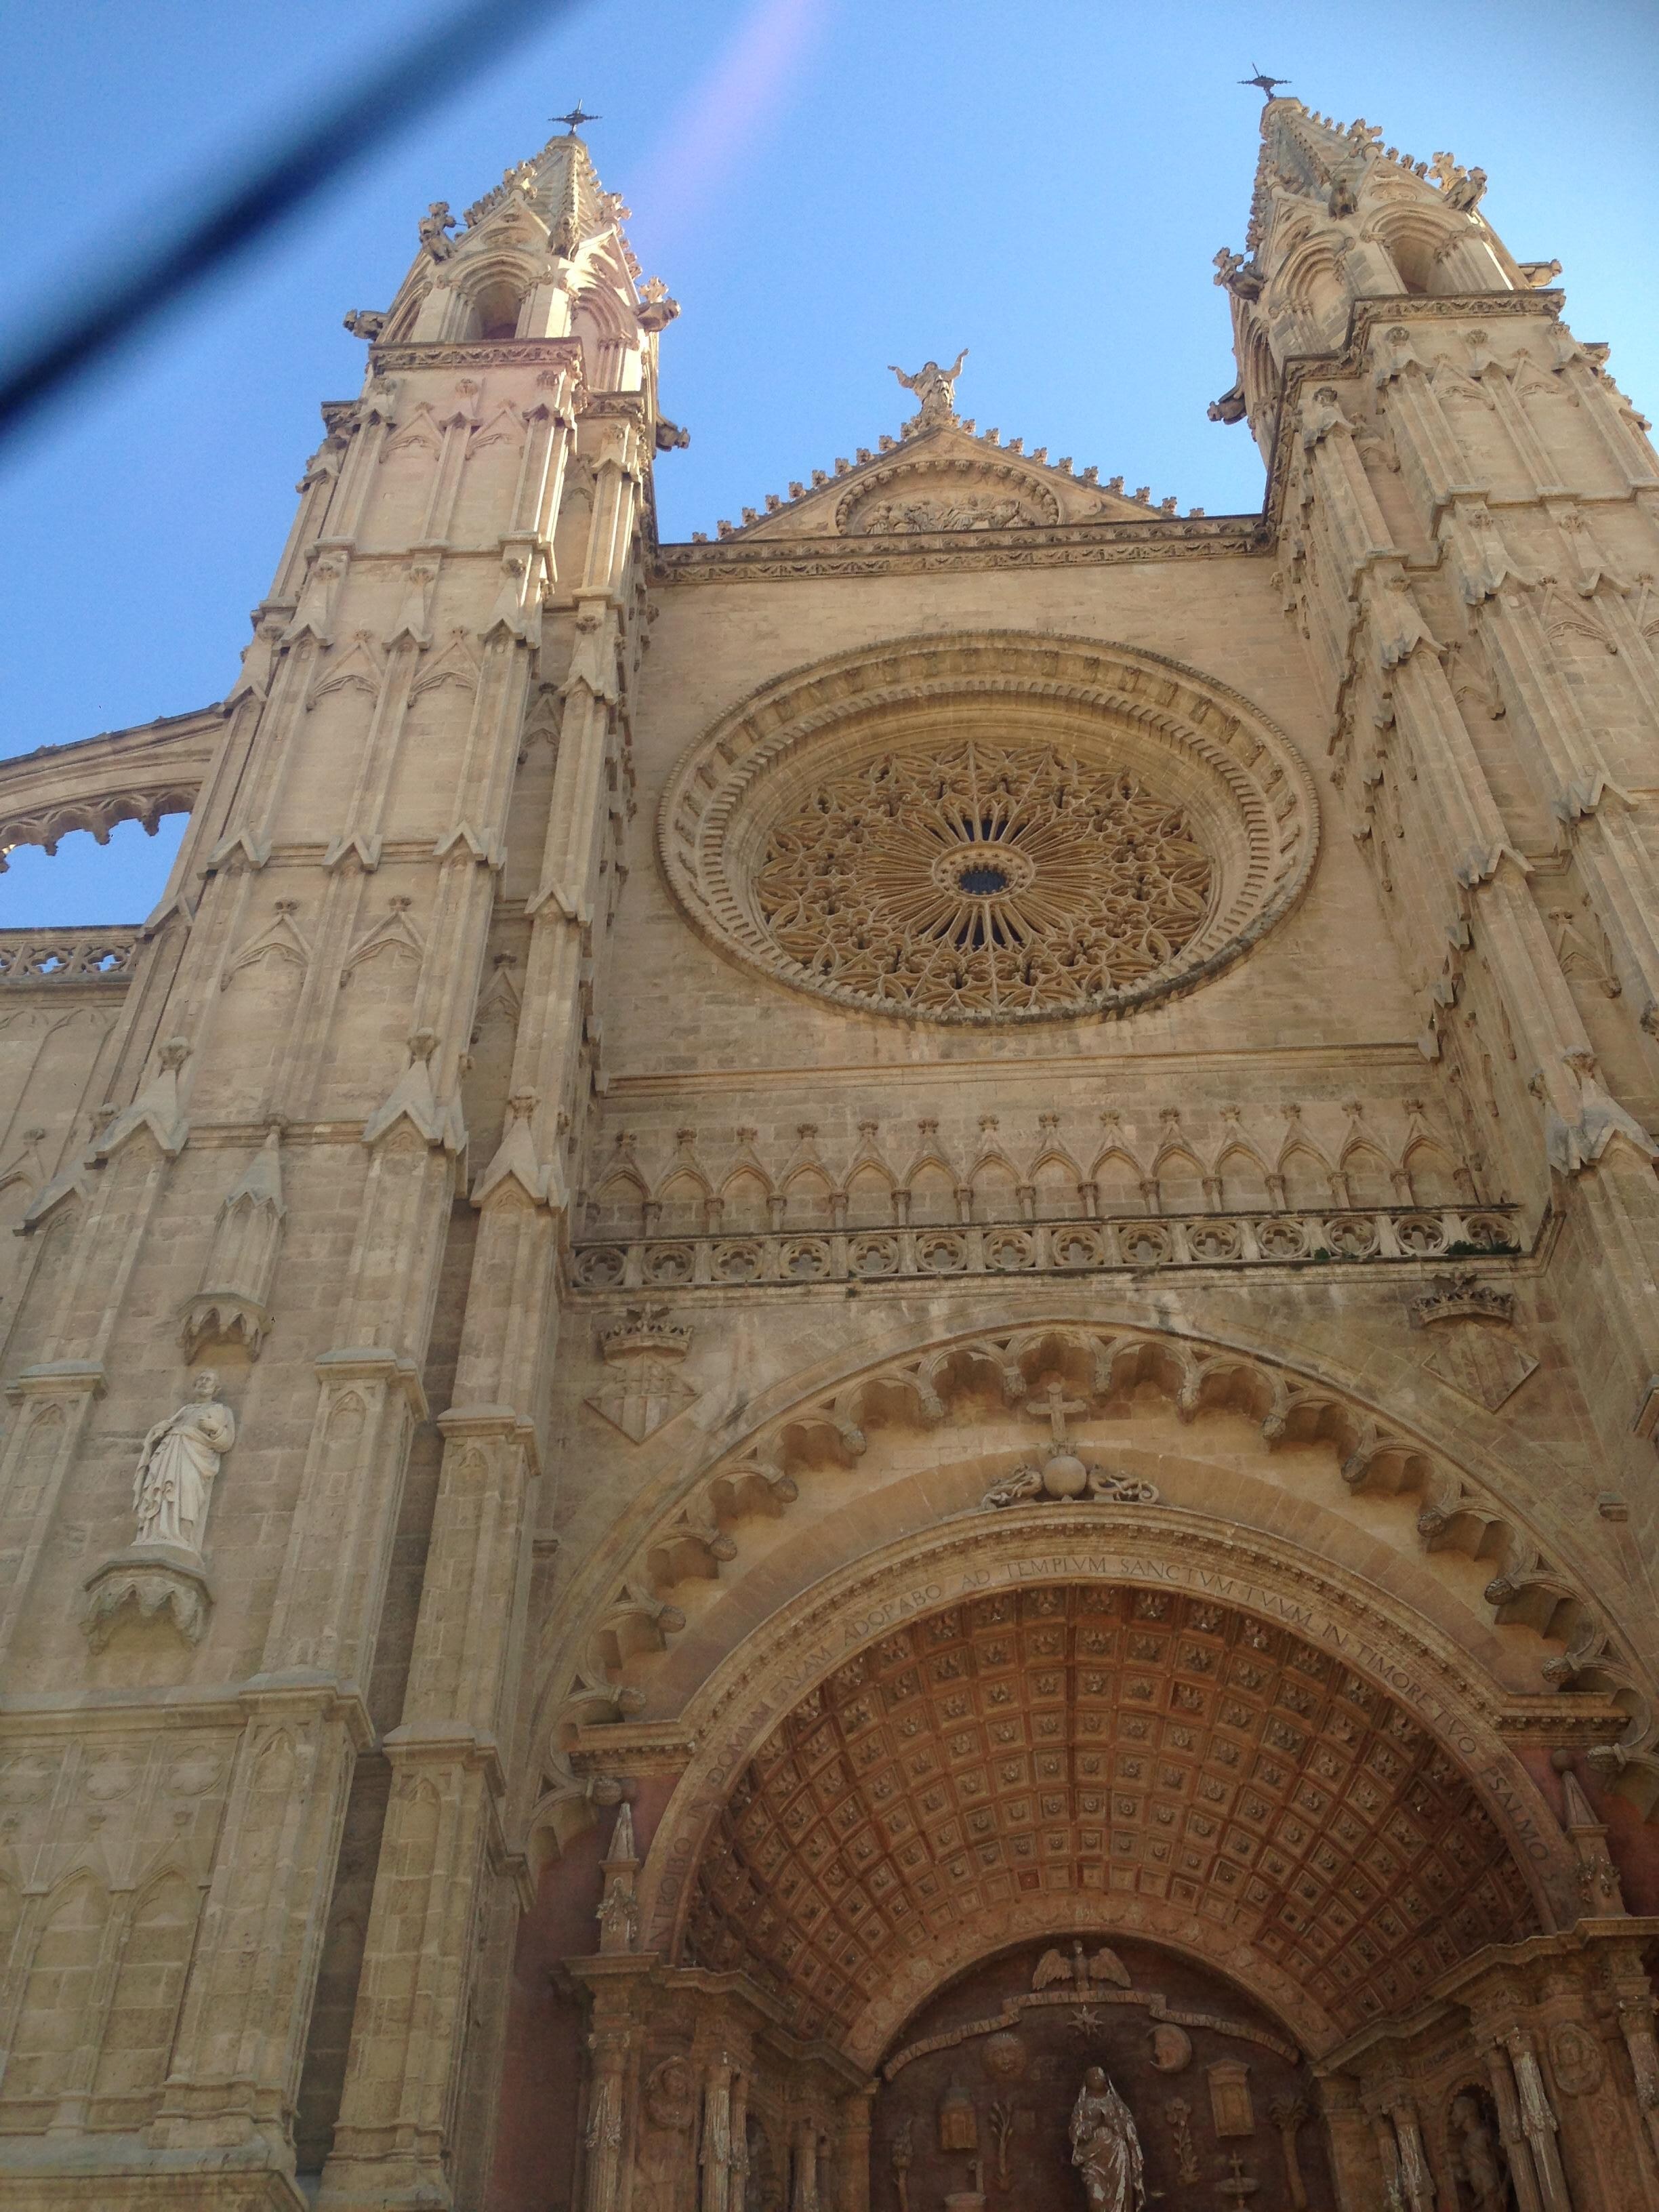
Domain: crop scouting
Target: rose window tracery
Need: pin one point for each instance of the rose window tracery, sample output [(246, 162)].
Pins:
[(982, 878), (999, 826)]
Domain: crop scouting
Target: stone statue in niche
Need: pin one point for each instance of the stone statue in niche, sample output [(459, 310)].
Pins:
[(1106, 2147), (177, 1467), (1475, 2149)]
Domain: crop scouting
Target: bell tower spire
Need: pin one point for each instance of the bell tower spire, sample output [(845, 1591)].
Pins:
[(1464, 506), (1337, 217), (541, 255)]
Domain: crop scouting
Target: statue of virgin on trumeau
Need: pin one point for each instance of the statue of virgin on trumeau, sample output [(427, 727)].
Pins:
[(1106, 2147)]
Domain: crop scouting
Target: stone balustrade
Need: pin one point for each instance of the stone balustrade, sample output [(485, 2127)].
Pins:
[(1120, 1245), (67, 955)]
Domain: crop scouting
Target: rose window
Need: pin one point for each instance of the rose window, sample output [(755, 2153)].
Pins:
[(983, 879), (992, 827)]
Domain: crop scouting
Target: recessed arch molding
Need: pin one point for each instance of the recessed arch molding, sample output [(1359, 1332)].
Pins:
[(693, 1527)]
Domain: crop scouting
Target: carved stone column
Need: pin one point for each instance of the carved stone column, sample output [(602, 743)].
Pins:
[(604, 2140), (853, 2151), (1537, 2119), (1353, 2158), (737, 2187), (716, 2156), (1635, 2009), (1418, 2181), (1387, 2162), (805, 2146)]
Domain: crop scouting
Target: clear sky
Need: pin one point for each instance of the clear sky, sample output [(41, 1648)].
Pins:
[(827, 186)]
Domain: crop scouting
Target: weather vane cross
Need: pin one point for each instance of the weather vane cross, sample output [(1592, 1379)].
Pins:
[(1267, 85), (576, 118)]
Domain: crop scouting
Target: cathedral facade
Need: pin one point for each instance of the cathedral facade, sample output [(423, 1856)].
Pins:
[(831, 1385)]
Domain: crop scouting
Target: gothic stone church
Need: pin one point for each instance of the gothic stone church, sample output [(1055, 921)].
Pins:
[(831, 1384)]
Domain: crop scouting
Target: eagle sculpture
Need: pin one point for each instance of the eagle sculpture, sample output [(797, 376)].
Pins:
[(1105, 1966)]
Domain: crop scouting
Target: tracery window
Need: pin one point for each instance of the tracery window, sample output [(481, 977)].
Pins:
[(982, 878), (998, 826)]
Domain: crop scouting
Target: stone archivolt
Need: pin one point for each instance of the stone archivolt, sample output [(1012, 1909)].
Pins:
[(1231, 821), (1091, 1738), (620, 1624)]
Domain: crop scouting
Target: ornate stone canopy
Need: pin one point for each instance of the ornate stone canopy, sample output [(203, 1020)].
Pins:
[(1147, 828), (1171, 1750)]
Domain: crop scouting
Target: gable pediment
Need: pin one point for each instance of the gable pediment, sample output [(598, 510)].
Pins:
[(943, 478)]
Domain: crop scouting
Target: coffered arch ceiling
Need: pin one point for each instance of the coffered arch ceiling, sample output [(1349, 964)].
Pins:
[(1071, 1747)]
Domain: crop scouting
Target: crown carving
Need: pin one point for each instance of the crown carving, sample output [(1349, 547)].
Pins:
[(1465, 1298), (645, 1329)]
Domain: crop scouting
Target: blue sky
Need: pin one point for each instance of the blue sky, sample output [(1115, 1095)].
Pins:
[(827, 186)]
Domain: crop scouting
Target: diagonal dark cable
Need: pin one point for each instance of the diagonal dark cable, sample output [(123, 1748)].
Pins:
[(118, 305)]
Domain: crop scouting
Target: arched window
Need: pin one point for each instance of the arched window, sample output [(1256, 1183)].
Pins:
[(495, 310)]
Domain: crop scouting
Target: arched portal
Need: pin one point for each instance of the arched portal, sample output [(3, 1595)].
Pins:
[(1225, 1737)]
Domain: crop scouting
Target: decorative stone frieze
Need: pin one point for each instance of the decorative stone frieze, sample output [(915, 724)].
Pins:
[(1127, 1246)]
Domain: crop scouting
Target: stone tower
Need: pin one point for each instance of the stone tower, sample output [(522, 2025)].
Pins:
[(759, 1395)]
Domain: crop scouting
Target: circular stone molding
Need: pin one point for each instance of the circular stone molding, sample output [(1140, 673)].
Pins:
[(994, 826)]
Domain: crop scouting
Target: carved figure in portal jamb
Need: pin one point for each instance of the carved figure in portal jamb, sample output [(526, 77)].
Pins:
[(176, 1466), (935, 389)]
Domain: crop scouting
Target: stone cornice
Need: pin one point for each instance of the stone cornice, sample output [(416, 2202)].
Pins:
[(1057, 545), (515, 353), (1457, 1986)]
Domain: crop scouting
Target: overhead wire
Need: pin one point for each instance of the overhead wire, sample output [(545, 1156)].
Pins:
[(120, 301)]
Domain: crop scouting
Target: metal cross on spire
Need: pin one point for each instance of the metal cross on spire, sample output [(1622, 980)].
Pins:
[(1265, 84), (576, 119)]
